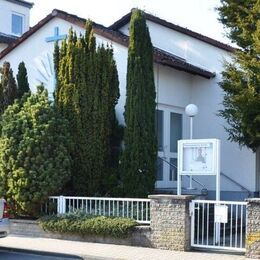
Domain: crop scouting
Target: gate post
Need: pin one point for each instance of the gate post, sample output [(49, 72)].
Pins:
[(253, 228), (170, 222)]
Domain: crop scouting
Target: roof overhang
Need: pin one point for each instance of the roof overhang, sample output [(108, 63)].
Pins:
[(6, 38), (22, 3)]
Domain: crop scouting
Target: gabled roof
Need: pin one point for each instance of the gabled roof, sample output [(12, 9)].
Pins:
[(6, 38), (160, 56), (126, 19), (22, 2)]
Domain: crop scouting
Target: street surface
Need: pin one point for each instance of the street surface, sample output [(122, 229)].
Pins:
[(14, 255), (98, 251)]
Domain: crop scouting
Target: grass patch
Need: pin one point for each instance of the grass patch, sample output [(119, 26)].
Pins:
[(83, 225)]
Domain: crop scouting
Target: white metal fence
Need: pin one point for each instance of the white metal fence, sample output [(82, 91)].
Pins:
[(218, 224), (138, 209)]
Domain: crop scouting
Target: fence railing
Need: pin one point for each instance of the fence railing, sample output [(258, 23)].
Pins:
[(138, 209)]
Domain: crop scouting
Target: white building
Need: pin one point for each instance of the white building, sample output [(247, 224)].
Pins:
[(14, 20), (187, 68)]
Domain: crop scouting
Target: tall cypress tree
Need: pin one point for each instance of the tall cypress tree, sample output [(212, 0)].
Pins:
[(8, 87), (139, 156), (86, 94), (22, 80)]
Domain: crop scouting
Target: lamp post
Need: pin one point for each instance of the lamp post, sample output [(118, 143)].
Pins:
[(191, 110)]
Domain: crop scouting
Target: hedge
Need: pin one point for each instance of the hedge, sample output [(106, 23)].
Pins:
[(84, 225)]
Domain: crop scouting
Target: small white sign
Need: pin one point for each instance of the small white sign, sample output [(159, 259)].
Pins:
[(198, 156), (221, 214)]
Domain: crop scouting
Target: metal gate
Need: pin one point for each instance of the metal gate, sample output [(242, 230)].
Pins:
[(218, 224)]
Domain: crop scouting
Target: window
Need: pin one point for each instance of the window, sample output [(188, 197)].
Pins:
[(17, 24), (175, 131), (159, 128), (173, 169), (159, 176)]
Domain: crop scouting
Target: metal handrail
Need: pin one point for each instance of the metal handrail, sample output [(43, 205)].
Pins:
[(172, 165), (236, 183)]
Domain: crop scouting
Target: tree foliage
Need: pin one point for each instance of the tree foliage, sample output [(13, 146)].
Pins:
[(8, 87), (139, 156), (22, 80), (87, 92), (241, 77), (34, 158)]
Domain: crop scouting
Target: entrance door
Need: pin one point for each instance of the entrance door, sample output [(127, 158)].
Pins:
[(169, 131)]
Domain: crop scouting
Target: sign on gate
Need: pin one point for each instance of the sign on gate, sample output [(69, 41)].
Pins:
[(221, 213)]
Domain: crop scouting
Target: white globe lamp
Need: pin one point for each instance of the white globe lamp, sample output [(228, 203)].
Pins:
[(191, 110)]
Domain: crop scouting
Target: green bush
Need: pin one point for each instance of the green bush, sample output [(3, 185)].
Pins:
[(34, 153), (83, 225)]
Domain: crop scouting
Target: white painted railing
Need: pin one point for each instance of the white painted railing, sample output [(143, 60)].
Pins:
[(138, 209), (218, 224)]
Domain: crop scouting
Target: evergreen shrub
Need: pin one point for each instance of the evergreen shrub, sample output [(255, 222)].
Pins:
[(83, 225)]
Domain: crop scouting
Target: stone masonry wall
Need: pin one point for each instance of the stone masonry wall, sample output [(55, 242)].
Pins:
[(139, 237), (253, 228), (170, 222)]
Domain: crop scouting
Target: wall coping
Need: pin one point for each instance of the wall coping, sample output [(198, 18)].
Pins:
[(253, 200), (171, 197), (24, 221)]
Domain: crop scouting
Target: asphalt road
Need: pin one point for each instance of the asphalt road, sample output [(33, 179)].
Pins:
[(19, 255)]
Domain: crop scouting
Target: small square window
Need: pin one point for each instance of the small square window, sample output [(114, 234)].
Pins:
[(17, 24)]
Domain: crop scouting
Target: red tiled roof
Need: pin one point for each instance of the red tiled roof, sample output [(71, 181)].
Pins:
[(160, 56), (126, 19)]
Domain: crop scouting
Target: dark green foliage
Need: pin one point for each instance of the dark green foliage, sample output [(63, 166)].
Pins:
[(8, 87), (87, 91), (22, 80), (139, 156), (241, 77), (85, 225), (34, 157)]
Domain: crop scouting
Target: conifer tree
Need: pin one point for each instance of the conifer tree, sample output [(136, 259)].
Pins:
[(139, 156), (241, 77), (8, 87), (34, 157), (22, 80), (87, 92)]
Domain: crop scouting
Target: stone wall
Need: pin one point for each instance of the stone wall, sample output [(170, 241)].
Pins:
[(140, 236), (170, 222), (253, 228), (169, 229)]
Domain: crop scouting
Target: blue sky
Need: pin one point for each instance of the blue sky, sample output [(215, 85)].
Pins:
[(197, 15)]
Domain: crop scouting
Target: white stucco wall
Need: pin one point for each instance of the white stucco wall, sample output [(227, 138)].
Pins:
[(36, 51), (239, 164), (192, 50), (6, 10)]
